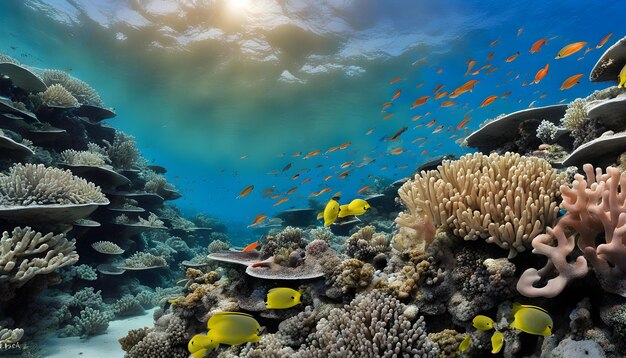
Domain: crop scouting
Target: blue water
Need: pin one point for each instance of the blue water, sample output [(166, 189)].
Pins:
[(199, 83)]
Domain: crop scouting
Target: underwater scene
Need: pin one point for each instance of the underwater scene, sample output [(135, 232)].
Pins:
[(303, 179)]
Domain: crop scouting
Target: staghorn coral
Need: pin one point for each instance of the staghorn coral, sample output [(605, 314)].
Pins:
[(123, 152), (29, 184), (374, 324), (575, 115), (152, 221), (90, 322), (365, 244), (507, 200), (596, 208), (25, 253), (126, 306), (82, 92), (57, 95), (107, 247), (74, 157), (142, 260)]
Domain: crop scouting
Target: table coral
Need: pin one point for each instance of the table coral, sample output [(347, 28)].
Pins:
[(506, 200)]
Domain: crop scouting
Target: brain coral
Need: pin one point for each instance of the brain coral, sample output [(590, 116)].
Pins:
[(506, 199)]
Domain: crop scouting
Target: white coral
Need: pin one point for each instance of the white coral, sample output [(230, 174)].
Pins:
[(57, 95)]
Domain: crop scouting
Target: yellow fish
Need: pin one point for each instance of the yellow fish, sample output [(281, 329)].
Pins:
[(358, 206), (343, 211), (331, 211), (497, 341), (531, 319), (282, 297), (230, 328), (482, 323), (200, 344), (464, 346), (622, 77)]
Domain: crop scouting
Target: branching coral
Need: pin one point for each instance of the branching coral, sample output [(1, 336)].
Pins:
[(75, 157), (141, 260), (366, 243), (123, 152), (595, 206), (25, 253), (547, 131), (218, 245), (372, 325), (507, 200), (57, 95), (351, 275), (91, 322), (29, 184), (153, 221), (128, 305), (82, 92), (575, 115), (107, 247), (291, 238)]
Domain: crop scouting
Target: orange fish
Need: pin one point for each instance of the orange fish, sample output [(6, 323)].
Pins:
[(386, 105), (312, 154), (295, 176), (251, 247), (291, 191), (345, 145), (247, 190), (604, 40), (397, 151), (447, 104), (494, 42), (470, 65), (394, 80), (490, 57), (344, 174), (396, 95), (441, 94), (306, 181), (438, 88), (463, 123), (571, 81), (387, 116), (541, 74), (257, 220), (420, 85), (440, 70), (327, 177), (487, 101), (506, 94), (466, 87), (420, 101), (296, 154), (416, 118), (425, 151), (332, 149), (325, 190), (537, 45), (570, 49), (363, 189), (491, 70), (370, 131), (431, 123), (281, 201), (438, 129), (346, 164), (512, 57)]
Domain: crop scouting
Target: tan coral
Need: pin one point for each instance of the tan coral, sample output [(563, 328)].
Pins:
[(506, 200)]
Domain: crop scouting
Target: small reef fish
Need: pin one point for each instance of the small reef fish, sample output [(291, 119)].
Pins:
[(571, 81), (306, 181), (327, 178), (497, 341), (570, 49), (363, 189), (332, 149), (470, 65), (247, 190), (344, 174), (385, 106), (489, 100), (370, 131), (420, 101), (531, 319), (466, 87), (465, 344), (431, 123), (396, 95), (397, 134), (318, 193), (441, 94), (416, 118), (397, 151), (231, 328), (394, 80), (291, 191), (282, 298), (387, 116), (251, 247), (331, 211), (519, 32), (257, 220), (463, 123), (439, 71), (345, 145), (355, 208), (438, 129), (482, 323), (281, 201), (448, 103), (505, 94), (512, 57), (490, 57), (346, 164), (295, 176), (296, 154), (286, 167), (536, 47), (604, 40), (312, 154), (621, 78), (438, 88), (541, 74), (494, 43)]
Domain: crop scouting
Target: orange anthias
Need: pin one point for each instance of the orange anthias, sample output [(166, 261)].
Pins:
[(571, 81), (541, 74), (570, 49), (537, 45), (251, 247)]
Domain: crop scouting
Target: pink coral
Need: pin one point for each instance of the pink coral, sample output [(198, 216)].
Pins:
[(594, 206)]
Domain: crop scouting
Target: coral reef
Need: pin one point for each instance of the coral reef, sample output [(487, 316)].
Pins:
[(142, 260), (107, 247), (82, 92), (547, 132), (75, 157), (507, 200), (365, 244), (123, 151)]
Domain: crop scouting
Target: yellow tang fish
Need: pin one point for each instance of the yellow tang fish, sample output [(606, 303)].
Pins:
[(622, 77), (531, 319), (464, 346), (482, 323), (343, 211), (230, 328), (497, 341), (331, 211), (358, 206), (282, 297)]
